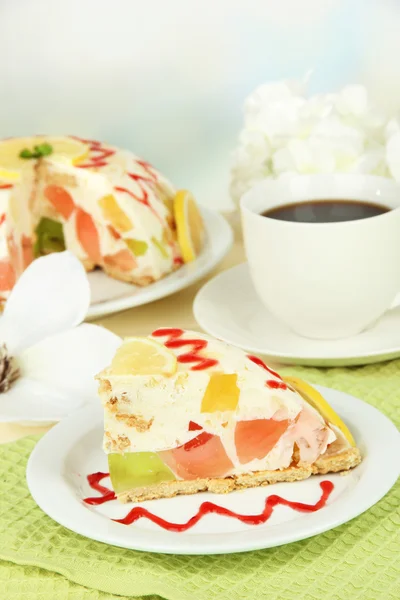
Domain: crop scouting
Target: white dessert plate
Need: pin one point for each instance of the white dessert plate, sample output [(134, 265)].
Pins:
[(62, 459), (110, 295), (228, 308)]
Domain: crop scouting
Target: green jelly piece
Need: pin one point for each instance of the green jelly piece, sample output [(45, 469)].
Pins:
[(137, 469), (160, 246), (49, 237), (137, 247)]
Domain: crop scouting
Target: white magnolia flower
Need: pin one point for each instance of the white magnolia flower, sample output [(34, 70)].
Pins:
[(312, 155), (392, 127), (393, 155), (352, 100), (286, 133), (48, 359)]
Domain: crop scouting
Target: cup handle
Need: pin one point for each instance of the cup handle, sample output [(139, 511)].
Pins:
[(396, 302)]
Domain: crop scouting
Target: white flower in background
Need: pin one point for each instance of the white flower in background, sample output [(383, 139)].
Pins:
[(352, 100), (48, 359), (391, 128), (274, 110), (286, 133), (393, 154)]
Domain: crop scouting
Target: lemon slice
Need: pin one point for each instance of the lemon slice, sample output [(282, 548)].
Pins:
[(189, 225), (143, 356), (310, 395), (63, 149)]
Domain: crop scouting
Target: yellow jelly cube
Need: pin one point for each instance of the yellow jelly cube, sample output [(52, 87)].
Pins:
[(114, 214), (137, 247), (222, 393), (161, 247)]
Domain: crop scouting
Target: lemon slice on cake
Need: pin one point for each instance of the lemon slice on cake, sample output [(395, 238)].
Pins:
[(310, 395), (16, 152), (143, 356), (189, 225)]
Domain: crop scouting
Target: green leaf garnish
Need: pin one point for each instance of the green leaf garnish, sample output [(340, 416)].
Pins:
[(44, 149), (25, 153), (37, 152)]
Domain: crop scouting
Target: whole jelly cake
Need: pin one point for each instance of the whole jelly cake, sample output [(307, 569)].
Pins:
[(185, 413), (112, 209)]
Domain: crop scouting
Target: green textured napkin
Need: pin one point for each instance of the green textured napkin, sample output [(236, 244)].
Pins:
[(30, 583), (359, 560)]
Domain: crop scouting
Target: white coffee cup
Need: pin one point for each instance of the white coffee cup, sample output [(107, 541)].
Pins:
[(324, 280)]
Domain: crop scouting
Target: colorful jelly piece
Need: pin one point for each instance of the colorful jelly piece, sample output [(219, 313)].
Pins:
[(160, 247), (204, 456), (114, 214), (114, 232), (88, 236), (27, 251), (122, 260), (7, 275), (60, 199), (256, 438), (222, 393), (194, 426), (49, 237), (137, 469), (137, 247)]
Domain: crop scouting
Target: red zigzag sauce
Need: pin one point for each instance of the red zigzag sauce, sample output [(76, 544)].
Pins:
[(139, 512)]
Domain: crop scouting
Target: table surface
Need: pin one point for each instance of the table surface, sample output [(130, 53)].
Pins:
[(171, 311)]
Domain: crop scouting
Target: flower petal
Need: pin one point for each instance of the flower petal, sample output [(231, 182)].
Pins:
[(68, 362), (353, 99), (372, 162), (333, 127), (30, 400), (392, 127), (312, 156), (52, 295), (393, 155)]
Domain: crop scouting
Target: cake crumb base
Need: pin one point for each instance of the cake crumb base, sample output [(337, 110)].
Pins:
[(341, 462)]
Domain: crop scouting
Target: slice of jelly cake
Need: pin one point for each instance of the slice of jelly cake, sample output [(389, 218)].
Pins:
[(185, 413)]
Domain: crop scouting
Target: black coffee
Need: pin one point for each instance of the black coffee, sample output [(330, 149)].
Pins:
[(325, 211)]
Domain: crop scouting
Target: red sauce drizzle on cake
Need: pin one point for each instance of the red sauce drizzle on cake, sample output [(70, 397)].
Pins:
[(138, 512), (97, 154), (6, 186), (276, 385), (144, 199), (152, 176), (257, 361), (193, 356)]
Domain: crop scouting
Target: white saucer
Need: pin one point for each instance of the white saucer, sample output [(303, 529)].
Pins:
[(110, 295), (229, 308), (62, 459)]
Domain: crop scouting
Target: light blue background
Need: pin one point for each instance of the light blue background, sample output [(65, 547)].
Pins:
[(168, 78)]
